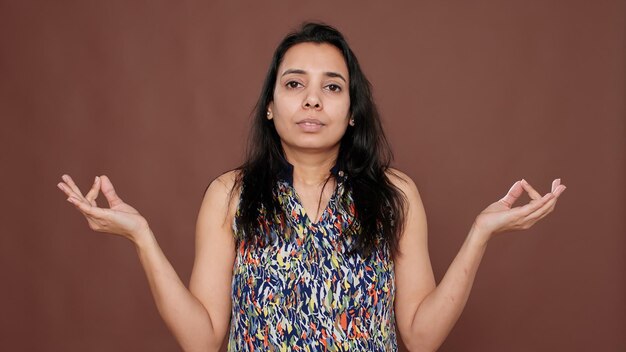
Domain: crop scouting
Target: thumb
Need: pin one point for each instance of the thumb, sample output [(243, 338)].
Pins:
[(109, 192), (513, 193)]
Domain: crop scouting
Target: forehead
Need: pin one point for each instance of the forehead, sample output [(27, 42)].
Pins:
[(314, 58)]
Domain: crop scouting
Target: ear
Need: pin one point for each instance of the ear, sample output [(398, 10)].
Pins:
[(269, 111)]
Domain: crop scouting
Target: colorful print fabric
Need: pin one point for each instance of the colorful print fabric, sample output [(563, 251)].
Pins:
[(303, 292)]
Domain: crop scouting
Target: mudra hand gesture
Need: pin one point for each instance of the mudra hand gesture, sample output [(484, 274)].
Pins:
[(120, 218), (501, 216)]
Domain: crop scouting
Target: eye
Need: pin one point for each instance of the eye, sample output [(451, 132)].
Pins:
[(293, 84), (334, 88)]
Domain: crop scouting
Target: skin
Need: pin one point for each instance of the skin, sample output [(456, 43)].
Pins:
[(310, 111), (308, 87)]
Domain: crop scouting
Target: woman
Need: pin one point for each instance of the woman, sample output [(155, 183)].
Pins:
[(314, 244)]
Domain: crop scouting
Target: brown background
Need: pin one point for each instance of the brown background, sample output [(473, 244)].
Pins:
[(157, 94)]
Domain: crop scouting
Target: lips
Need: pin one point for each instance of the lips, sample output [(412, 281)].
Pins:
[(309, 125), (310, 122)]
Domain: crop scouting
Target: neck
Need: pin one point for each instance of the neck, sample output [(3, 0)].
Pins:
[(311, 169)]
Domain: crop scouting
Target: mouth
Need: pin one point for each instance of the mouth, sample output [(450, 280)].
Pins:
[(310, 122), (310, 125)]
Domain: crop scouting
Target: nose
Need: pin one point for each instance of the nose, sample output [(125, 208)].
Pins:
[(312, 100)]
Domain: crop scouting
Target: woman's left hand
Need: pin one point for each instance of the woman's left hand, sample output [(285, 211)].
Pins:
[(501, 216)]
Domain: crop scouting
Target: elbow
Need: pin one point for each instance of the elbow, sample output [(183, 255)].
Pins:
[(202, 347), (420, 343), (420, 347), (200, 338)]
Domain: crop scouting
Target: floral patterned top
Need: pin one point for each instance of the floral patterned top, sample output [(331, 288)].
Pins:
[(304, 292)]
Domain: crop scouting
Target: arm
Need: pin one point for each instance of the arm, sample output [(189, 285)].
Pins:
[(426, 313), (199, 316)]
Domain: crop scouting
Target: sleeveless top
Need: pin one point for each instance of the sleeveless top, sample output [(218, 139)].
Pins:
[(302, 291)]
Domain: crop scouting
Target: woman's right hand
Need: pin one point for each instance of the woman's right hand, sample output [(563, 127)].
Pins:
[(120, 218)]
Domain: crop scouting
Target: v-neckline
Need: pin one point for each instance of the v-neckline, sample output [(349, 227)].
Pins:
[(305, 214)]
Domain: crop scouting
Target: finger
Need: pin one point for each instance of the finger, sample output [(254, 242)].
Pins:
[(66, 189), (511, 196), (547, 212), (534, 205), (87, 209), (68, 180), (555, 184), (109, 191), (531, 191), (93, 192), (559, 190), (544, 210)]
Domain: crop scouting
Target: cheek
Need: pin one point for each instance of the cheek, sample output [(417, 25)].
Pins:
[(282, 122), (342, 103), (340, 109), (284, 107), (281, 127)]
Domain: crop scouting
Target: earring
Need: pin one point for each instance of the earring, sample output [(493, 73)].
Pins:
[(269, 115), (351, 122)]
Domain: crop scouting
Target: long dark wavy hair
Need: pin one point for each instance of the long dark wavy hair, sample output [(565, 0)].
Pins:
[(364, 156)]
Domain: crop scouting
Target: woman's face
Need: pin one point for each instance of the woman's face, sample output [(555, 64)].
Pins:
[(311, 98)]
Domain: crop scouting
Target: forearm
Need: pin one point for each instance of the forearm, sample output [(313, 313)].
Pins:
[(439, 311), (183, 313)]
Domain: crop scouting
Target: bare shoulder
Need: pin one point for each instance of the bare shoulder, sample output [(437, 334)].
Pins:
[(221, 196), (403, 182), (415, 222), (224, 183)]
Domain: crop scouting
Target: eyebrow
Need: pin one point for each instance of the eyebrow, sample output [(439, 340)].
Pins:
[(302, 72)]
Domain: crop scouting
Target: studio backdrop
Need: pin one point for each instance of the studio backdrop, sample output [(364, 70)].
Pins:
[(157, 95)]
